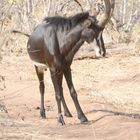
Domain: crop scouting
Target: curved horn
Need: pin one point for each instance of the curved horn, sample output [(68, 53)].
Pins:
[(79, 4), (109, 8)]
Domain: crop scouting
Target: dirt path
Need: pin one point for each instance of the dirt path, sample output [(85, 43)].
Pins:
[(104, 87)]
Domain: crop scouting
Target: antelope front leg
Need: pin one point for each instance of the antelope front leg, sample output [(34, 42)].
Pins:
[(66, 110), (73, 93), (56, 79)]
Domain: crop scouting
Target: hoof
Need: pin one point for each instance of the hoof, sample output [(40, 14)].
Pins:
[(42, 114), (68, 114), (83, 119), (60, 120)]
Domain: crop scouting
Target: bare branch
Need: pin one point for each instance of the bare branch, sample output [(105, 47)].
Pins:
[(79, 4), (67, 3)]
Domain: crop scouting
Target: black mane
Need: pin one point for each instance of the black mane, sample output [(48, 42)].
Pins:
[(67, 21)]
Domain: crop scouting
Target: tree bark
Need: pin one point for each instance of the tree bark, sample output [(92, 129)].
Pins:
[(124, 11)]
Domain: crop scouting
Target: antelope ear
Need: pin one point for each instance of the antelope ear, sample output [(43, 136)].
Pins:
[(87, 23)]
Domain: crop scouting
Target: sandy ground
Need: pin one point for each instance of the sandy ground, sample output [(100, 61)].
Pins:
[(108, 90)]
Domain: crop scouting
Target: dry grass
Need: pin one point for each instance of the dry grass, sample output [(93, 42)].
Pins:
[(108, 90)]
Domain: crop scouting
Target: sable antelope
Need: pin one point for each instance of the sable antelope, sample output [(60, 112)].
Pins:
[(53, 45)]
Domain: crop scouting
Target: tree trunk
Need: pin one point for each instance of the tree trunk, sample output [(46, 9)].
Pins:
[(47, 7)]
